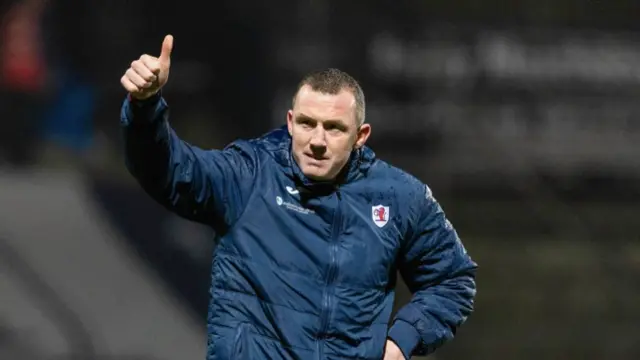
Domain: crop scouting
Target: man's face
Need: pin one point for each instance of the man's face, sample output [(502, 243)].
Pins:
[(324, 132)]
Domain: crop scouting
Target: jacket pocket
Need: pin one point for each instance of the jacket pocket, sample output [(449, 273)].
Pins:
[(240, 345)]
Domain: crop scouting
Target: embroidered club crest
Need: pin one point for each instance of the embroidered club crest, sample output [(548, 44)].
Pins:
[(380, 215)]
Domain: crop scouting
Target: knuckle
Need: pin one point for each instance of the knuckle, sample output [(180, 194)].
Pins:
[(147, 58)]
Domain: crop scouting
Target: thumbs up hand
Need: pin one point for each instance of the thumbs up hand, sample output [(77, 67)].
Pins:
[(149, 74)]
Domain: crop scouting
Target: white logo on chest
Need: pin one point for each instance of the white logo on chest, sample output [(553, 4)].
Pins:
[(293, 207)]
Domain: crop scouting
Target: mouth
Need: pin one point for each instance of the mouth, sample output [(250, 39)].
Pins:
[(316, 158)]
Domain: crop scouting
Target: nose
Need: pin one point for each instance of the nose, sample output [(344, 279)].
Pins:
[(318, 142)]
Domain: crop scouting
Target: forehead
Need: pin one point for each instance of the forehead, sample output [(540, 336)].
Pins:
[(322, 106)]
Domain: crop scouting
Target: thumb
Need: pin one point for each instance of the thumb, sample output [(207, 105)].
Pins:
[(167, 46)]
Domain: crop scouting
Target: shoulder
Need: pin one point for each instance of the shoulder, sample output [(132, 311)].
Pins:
[(398, 182), (244, 148), (258, 154), (271, 146)]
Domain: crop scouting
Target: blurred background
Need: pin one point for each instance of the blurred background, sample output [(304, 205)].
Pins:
[(523, 117)]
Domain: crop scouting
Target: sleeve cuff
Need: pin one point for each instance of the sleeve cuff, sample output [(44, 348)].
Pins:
[(150, 101), (140, 109), (405, 336)]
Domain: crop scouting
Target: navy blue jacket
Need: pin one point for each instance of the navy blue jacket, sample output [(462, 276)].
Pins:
[(305, 270)]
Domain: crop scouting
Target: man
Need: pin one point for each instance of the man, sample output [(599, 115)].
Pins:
[(310, 228)]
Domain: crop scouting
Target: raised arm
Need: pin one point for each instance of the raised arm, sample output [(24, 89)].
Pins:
[(207, 186)]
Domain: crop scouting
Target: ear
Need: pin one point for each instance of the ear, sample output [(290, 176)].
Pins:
[(362, 136), (290, 121)]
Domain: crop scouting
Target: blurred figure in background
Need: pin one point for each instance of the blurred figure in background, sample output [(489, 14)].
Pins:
[(23, 77), (48, 92), (70, 47)]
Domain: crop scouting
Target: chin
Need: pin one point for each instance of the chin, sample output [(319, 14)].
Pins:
[(316, 175)]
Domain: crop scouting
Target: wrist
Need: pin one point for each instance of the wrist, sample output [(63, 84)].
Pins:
[(138, 102), (144, 98), (405, 336), (393, 351)]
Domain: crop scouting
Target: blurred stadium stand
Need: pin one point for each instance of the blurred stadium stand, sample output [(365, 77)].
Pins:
[(523, 117)]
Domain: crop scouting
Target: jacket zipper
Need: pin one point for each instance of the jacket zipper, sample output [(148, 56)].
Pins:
[(331, 275)]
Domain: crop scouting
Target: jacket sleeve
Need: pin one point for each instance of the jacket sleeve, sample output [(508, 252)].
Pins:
[(441, 276), (208, 186)]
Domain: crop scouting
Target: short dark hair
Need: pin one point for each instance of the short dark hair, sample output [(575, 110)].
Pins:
[(332, 81)]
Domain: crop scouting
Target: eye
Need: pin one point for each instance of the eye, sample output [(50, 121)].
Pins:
[(335, 128), (305, 123)]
